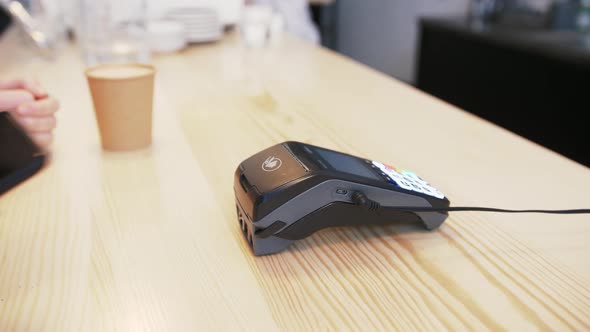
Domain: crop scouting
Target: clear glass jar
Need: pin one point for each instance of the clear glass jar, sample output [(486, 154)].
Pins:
[(41, 24), (113, 31)]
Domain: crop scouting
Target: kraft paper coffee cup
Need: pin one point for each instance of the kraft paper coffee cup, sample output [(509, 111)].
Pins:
[(122, 95)]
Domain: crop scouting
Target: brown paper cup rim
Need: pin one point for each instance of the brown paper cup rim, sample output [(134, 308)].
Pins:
[(152, 71)]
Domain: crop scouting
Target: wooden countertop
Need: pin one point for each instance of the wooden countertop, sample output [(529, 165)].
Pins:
[(149, 240)]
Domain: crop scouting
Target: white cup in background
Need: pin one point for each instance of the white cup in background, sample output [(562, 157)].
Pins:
[(255, 25)]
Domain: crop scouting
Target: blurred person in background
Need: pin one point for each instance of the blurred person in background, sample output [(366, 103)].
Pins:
[(296, 15), (31, 107)]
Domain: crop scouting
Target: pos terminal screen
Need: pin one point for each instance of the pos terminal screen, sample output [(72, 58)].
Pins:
[(344, 163)]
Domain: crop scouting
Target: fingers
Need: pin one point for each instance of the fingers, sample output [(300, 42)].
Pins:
[(37, 124), (38, 119), (40, 129), (38, 108), (31, 86), (43, 139), (11, 99)]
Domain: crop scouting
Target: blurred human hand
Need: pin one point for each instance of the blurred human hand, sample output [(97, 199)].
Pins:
[(31, 107)]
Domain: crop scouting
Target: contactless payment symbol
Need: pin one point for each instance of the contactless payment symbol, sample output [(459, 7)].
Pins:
[(271, 163)]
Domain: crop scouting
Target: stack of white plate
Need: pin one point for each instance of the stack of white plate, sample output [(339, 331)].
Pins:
[(202, 24), (166, 36)]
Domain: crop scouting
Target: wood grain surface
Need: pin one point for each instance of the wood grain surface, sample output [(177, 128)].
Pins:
[(149, 241)]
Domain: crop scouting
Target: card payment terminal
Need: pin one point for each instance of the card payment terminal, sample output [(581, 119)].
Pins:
[(291, 190)]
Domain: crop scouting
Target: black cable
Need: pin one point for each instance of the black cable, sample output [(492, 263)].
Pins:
[(484, 209), (361, 199)]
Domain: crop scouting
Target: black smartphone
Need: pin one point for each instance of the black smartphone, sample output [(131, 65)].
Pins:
[(20, 157)]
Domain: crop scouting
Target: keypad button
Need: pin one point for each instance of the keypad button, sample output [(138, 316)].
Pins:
[(438, 194), (394, 175), (428, 191), (415, 177), (405, 179), (378, 164), (404, 184)]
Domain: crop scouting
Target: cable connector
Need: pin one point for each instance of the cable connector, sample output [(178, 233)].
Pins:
[(360, 199)]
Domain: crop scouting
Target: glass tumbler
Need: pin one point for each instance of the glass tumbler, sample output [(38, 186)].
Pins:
[(113, 31)]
